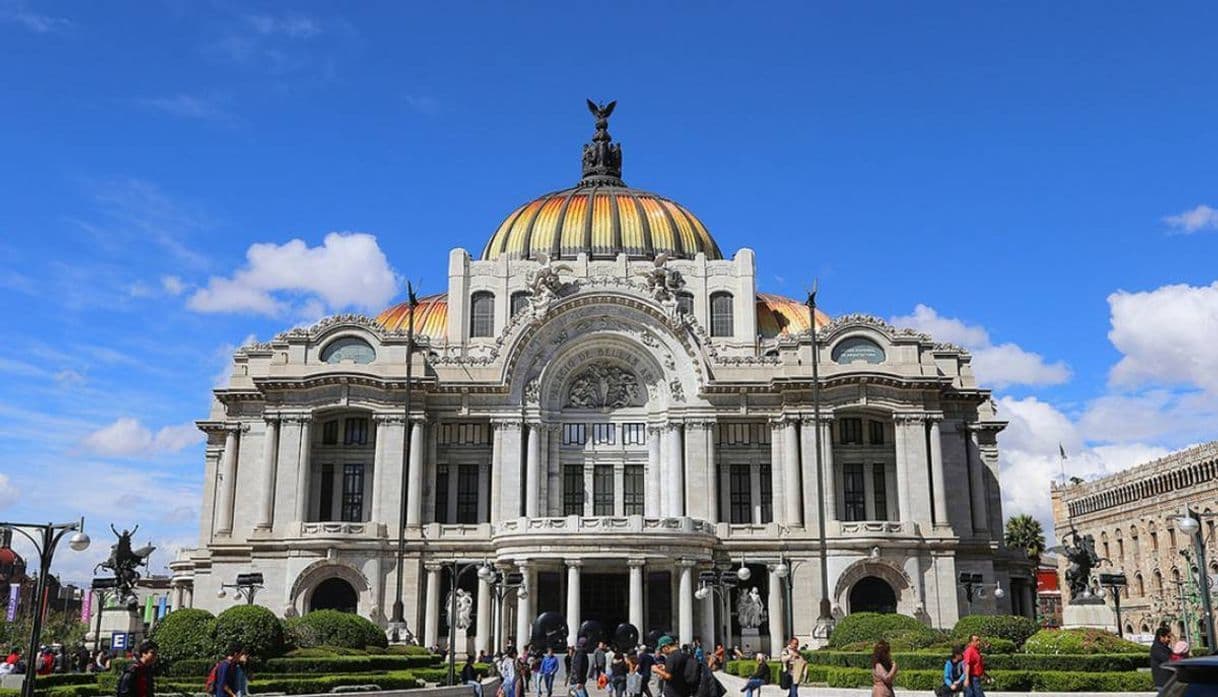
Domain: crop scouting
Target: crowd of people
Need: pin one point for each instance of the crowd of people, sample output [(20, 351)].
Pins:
[(56, 659)]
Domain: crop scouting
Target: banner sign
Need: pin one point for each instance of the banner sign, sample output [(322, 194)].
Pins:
[(86, 607), (14, 599), (162, 607), (149, 610), (118, 642)]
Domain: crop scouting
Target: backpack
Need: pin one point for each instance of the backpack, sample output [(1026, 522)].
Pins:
[(210, 686), (708, 685)]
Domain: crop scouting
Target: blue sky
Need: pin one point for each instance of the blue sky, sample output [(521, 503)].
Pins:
[(1034, 180)]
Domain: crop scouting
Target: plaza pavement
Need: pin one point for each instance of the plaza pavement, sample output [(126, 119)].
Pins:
[(735, 687)]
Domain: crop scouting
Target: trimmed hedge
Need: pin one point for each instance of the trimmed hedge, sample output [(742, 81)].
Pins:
[(334, 628), (1097, 663), (184, 634), (256, 628), (1010, 627), (873, 626), (1075, 642), (1005, 680), (312, 665), (46, 682), (395, 680), (744, 669), (408, 650)]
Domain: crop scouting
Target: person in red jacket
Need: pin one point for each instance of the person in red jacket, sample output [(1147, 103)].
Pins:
[(46, 662)]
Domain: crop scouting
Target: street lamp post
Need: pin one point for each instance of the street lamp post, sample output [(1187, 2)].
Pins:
[(103, 588), (501, 584), (1114, 582), (974, 586), (247, 586), (1190, 524), (45, 537), (399, 620), (824, 622)]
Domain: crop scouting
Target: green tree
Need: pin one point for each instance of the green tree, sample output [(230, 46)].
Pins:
[(1024, 532)]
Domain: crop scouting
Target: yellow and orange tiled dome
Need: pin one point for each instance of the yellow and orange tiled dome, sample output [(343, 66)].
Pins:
[(601, 221), (430, 316)]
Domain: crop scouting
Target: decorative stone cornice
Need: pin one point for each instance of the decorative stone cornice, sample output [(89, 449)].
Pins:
[(389, 418)]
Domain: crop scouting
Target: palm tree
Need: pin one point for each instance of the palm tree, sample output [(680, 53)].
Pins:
[(1024, 532)]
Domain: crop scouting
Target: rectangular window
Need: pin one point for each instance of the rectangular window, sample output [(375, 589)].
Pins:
[(520, 302), (355, 432), (442, 494), (574, 434), (482, 314), (325, 506), (879, 488), (604, 434), (685, 303), (329, 433), (876, 435), (740, 500), (743, 434), (353, 493), (854, 497), (467, 493), (464, 433), (850, 431), (634, 434), (573, 490), (767, 493), (632, 497), (602, 490)]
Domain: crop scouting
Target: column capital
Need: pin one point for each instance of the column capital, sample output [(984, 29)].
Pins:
[(701, 423), (636, 563), (524, 564), (934, 417), (809, 419), (272, 417), (507, 423), (574, 563), (909, 417), (433, 566), (686, 563), (672, 426)]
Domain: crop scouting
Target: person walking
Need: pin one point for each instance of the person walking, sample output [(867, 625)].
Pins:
[(679, 673), (507, 673), (974, 668), (469, 675), (1160, 656), (578, 675), (645, 660), (598, 661), (953, 674), (883, 670), (760, 676), (794, 665), (226, 676), (617, 675), (546, 673), (137, 678)]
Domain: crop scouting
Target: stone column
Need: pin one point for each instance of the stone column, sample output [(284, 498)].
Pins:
[(675, 465), (532, 489), (976, 478), (636, 593), (482, 639), (414, 485), (228, 481), (904, 510), (697, 469), (510, 505), (653, 487), (777, 613), (936, 473), (524, 625), (573, 611), (270, 461), (303, 472), (828, 473), (431, 618), (790, 467), (777, 474), (685, 601), (712, 476), (496, 471), (706, 628), (387, 489)]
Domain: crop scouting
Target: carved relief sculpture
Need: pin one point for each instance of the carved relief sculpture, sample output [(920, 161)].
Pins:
[(602, 386)]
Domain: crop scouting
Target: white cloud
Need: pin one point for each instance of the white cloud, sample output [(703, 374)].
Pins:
[(996, 366), (128, 437), (8, 492), (189, 106), (1200, 218), (172, 285), (17, 13), (293, 27), (347, 270), (1167, 335), (69, 378)]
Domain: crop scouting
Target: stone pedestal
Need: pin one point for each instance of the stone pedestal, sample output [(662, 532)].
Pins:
[(117, 620), (461, 642), (750, 637), (1094, 614)]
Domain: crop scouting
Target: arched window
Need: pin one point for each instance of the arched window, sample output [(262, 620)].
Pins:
[(855, 349), (721, 314), (482, 314), (1140, 584), (1157, 581), (348, 348), (520, 301)]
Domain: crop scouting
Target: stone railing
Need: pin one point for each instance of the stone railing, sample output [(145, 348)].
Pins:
[(574, 525), (870, 528), (333, 528)]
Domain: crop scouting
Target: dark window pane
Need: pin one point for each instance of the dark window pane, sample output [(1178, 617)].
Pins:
[(855, 498), (721, 314), (572, 490), (685, 303), (482, 314), (880, 487), (520, 302), (876, 436), (740, 504), (850, 431), (467, 494), (353, 493), (767, 494), (574, 434), (355, 432), (634, 434), (602, 490), (604, 434), (442, 494), (325, 506), (633, 494), (329, 433)]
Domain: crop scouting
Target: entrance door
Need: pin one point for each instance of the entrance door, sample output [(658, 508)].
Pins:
[(334, 594), (605, 598), (872, 594)]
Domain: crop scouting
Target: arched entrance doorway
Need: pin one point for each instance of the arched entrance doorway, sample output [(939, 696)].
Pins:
[(334, 594), (872, 594)]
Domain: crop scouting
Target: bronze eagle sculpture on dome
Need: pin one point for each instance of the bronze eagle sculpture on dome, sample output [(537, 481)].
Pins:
[(601, 112)]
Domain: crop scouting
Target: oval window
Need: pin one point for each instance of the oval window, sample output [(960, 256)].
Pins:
[(348, 348), (856, 349)]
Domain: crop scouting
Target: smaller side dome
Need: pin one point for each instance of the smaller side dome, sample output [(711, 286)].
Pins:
[(779, 315), (430, 317)]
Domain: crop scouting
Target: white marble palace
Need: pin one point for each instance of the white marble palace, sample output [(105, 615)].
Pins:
[(604, 403)]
